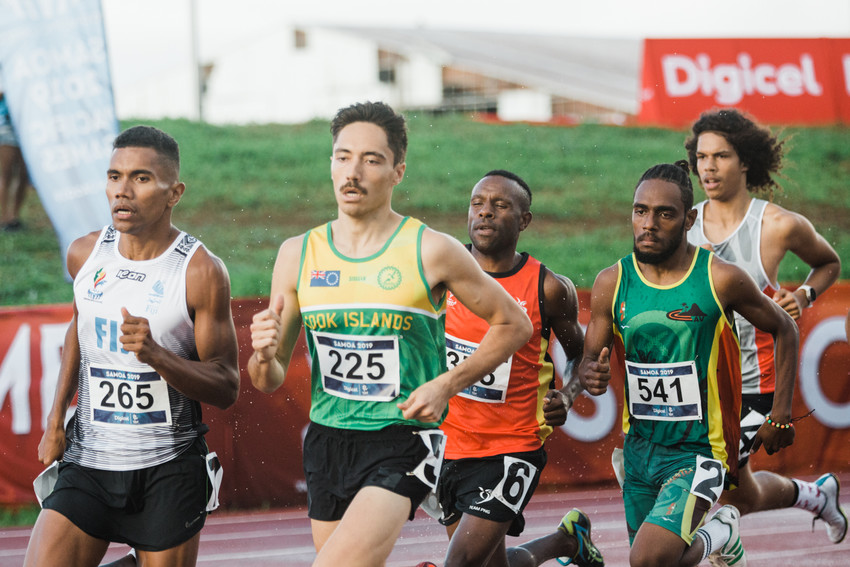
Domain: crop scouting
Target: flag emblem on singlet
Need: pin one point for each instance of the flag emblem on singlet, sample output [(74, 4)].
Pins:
[(324, 278)]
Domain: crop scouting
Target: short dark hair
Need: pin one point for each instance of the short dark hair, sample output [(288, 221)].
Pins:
[(676, 173), (757, 147), (153, 138), (379, 114), (513, 177)]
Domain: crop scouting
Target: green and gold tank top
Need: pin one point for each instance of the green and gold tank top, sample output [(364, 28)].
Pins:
[(682, 361), (374, 332)]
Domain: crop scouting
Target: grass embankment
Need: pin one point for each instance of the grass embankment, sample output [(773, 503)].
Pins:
[(251, 187)]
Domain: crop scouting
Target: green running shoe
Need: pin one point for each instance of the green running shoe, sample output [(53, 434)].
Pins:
[(577, 524)]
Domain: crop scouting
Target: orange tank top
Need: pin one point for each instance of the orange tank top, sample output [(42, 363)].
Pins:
[(503, 412)]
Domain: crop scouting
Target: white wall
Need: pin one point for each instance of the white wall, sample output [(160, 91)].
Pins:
[(266, 79)]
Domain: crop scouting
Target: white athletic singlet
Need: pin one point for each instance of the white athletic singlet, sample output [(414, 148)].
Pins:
[(127, 416), (743, 248)]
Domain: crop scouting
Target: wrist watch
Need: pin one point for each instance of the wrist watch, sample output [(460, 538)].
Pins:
[(810, 292)]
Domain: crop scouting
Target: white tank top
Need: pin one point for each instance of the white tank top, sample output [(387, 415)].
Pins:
[(743, 248), (127, 416)]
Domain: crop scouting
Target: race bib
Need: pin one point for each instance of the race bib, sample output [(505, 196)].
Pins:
[(708, 479), (515, 484), (132, 397), (750, 425), (664, 392), (492, 388), (215, 473), (358, 367), (428, 469)]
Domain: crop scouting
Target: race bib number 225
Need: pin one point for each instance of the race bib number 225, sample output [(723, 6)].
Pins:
[(358, 367)]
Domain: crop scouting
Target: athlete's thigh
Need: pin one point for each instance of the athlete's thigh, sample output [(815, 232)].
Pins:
[(475, 540), (368, 531), (183, 555), (654, 545), (322, 531), (55, 540)]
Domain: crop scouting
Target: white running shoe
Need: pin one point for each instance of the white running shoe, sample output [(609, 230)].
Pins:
[(832, 513), (732, 553)]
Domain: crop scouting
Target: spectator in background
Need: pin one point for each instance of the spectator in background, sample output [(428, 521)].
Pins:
[(14, 178)]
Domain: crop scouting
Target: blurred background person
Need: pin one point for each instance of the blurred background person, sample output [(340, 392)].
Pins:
[(14, 178)]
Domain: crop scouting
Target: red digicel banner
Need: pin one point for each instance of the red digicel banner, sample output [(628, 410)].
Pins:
[(786, 81), (258, 440)]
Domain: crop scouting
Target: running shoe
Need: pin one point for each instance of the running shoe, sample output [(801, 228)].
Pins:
[(732, 552), (832, 513), (577, 524)]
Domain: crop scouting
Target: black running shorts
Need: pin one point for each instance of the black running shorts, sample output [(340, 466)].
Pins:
[(339, 462), (494, 488), (151, 509)]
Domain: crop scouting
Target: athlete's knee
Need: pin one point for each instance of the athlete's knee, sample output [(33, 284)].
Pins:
[(468, 555), (644, 557)]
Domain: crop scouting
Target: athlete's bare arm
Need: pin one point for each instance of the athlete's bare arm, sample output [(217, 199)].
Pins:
[(560, 303), (737, 291), (275, 330), (214, 379), (448, 265), (595, 367), (52, 444), (787, 231)]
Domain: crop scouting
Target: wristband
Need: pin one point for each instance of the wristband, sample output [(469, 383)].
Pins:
[(778, 425), (810, 293)]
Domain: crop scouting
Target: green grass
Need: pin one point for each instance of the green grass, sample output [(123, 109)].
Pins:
[(250, 187), (18, 515)]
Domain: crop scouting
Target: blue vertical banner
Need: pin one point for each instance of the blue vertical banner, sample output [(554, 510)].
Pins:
[(55, 75)]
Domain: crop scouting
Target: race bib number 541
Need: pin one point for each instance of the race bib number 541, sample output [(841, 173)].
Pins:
[(664, 391)]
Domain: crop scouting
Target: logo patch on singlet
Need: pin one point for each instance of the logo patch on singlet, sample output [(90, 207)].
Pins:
[(694, 313), (324, 278), (389, 278), (130, 275), (155, 297), (95, 293), (522, 303)]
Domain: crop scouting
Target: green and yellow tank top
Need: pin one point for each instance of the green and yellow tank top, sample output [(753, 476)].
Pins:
[(373, 331), (682, 362)]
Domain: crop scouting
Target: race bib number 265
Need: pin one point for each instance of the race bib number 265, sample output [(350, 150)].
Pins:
[(128, 397)]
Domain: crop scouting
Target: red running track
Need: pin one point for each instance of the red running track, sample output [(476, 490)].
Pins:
[(782, 538)]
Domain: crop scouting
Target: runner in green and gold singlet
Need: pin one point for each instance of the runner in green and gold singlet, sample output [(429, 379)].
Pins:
[(666, 309), (681, 358), (373, 329), (369, 288)]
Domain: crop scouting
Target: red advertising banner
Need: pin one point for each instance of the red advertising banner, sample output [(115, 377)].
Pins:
[(259, 439), (840, 62), (787, 81)]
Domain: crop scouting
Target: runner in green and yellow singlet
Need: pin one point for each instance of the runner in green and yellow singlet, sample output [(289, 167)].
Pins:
[(370, 288), (667, 311)]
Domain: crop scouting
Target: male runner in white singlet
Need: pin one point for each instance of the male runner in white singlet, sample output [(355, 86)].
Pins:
[(151, 338), (734, 157)]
